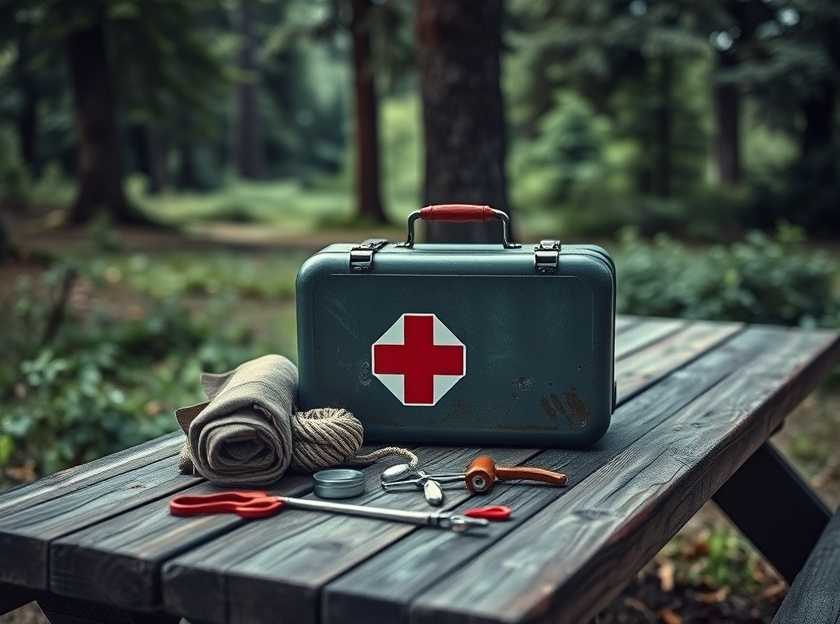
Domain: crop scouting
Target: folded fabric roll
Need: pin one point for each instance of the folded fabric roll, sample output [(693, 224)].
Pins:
[(243, 434)]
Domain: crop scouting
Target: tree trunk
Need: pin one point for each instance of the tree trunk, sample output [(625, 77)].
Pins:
[(158, 151), (28, 128), (98, 160), (27, 122), (818, 110), (248, 146), (368, 193), (459, 48), (727, 112), (187, 174), (148, 157), (664, 128)]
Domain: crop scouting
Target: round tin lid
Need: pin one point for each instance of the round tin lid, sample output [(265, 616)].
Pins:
[(339, 483)]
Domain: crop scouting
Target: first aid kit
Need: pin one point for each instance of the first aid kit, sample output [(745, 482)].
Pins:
[(461, 343)]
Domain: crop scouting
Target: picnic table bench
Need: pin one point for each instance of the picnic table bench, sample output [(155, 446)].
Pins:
[(697, 404)]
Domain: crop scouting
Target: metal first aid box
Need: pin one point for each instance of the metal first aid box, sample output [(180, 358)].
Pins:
[(461, 343)]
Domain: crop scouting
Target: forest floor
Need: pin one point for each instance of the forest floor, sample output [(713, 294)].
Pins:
[(707, 573)]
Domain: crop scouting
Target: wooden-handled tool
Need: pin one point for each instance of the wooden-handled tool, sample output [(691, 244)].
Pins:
[(480, 476), (483, 472)]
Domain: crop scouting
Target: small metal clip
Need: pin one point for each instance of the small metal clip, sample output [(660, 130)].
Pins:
[(547, 256), (361, 256)]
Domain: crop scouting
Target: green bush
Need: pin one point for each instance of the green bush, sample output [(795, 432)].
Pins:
[(168, 274), (760, 280), (566, 156), (101, 384)]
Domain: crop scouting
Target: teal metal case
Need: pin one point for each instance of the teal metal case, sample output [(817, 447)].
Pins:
[(461, 343)]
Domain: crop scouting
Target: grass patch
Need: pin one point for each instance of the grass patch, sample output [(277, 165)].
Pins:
[(192, 273)]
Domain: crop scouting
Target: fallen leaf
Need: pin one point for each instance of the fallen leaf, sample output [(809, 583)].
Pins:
[(669, 616), (774, 591), (641, 607), (714, 597), (666, 576)]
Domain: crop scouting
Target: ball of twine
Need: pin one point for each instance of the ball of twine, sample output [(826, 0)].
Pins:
[(328, 436)]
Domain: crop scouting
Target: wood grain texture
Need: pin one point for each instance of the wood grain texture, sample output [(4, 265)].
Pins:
[(25, 535), (645, 367), (688, 424), (623, 323), (278, 565), (814, 596), (118, 561), (590, 542), (279, 585), (643, 334), (72, 479), (381, 589)]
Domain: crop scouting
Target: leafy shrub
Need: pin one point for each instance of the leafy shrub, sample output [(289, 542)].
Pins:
[(102, 383), (167, 274), (761, 280), (568, 154)]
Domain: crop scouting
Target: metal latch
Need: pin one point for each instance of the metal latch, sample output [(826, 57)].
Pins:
[(361, 256), (547, 256)]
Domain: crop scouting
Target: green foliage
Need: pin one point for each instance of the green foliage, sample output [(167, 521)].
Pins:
[(759, 280), (104, 383), (165, 275), (717, 557), (567, 155)]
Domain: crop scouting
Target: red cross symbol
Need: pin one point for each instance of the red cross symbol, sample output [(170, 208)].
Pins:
[(427, 370)]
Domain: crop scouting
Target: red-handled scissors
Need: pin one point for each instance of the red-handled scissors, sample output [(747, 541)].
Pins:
[(257, 504)]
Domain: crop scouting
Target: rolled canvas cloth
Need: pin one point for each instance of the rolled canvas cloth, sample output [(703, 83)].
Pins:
[(243, 434)]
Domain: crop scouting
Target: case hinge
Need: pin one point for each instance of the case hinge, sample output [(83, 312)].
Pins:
[(547, 256), (361, 256)]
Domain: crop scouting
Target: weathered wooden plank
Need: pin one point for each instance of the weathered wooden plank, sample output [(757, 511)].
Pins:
[(282, 562), (118, 561), (575, 554), (354, 540), (645, 334), (766, 498), (645, 367), (13, 597), (814, 596), (623, 323), (382, 588), (72, 611), (77, 477), (25, 535)]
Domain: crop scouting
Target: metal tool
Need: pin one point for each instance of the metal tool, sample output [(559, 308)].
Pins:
[(422, 480), (338, 483), (480, 476), (256, 504)]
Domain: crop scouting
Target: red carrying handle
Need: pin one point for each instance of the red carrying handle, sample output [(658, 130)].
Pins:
[(457, 213)]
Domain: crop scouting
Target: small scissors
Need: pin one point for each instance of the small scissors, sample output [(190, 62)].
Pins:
[(257, 504)]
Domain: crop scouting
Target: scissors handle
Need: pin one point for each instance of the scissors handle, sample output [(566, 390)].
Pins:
[(493, 512), (244, 504)]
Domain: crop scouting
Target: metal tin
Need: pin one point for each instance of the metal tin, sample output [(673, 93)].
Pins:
[(339, 483), (537, 323)]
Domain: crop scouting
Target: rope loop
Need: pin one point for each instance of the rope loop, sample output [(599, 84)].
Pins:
[(329, 436)]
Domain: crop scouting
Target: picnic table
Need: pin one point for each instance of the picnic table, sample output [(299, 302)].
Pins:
[(697, 404)]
